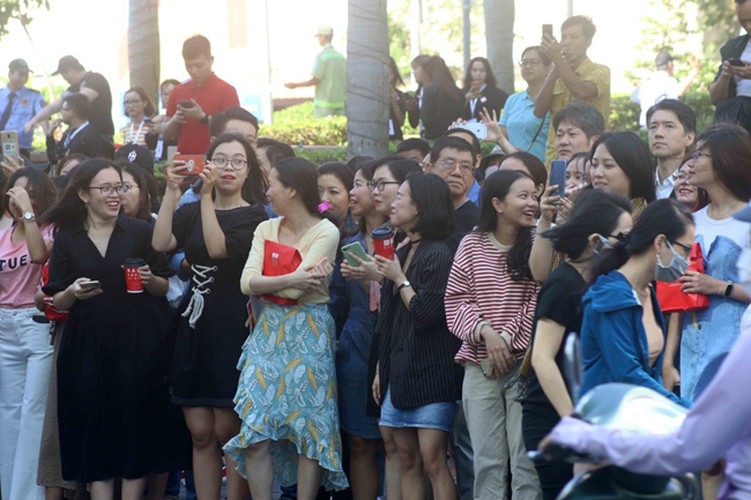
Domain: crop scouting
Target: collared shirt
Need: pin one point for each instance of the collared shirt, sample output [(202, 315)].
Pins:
[(599, 74), (660, 85), (664, 188), (330, 69), (522, 125), (213, 96), (28, 102)]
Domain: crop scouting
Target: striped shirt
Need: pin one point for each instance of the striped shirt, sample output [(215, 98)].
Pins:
[(480, 290)]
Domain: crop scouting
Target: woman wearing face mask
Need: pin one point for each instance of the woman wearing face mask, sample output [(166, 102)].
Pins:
[(598, 219), (722, 408), (623, 333)]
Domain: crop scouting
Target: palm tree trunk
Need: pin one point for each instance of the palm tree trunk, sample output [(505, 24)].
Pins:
[(499, 34), (367, 78), (143, 46)]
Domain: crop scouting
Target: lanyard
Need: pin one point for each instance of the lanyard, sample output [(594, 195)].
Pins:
[(75, 132), (130, 134)]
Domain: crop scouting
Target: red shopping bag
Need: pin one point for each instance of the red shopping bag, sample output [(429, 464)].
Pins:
[(278, 260), (670, 296)]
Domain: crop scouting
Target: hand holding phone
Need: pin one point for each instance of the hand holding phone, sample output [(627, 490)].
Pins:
[(558, 177), (193, 164), (186, 104), (734, 61), (547, 29), (353, 249)]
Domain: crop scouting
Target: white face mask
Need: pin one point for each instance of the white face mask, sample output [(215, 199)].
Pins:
[(744, 269)]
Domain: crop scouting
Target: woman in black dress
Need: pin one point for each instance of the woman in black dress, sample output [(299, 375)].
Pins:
[(439, 101), (111, 400), (215, 233)]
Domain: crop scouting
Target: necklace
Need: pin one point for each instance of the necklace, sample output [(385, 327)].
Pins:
[(725, 213)]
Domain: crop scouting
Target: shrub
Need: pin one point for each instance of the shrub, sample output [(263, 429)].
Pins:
[(624, 113)]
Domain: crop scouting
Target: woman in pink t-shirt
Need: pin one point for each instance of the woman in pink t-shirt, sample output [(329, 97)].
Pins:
[(25, 350)]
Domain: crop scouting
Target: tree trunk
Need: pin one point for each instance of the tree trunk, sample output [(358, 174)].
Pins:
[(143, 46), (368, 90), (499, 34)]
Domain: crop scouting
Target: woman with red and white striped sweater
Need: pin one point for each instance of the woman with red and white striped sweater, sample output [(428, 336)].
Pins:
[(490, 304)]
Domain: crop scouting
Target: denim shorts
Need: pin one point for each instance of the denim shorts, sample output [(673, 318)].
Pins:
[(438, 416)]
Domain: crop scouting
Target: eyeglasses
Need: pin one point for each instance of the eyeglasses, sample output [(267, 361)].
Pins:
[(379, 184), (679, 177), (529, 63), (687, 248), (448, 165), (125, 189), (699, 154), (237, 163), (131, 103), (108, 189)]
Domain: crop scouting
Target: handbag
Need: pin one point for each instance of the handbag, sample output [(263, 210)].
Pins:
[(673, 299), (278, 260)]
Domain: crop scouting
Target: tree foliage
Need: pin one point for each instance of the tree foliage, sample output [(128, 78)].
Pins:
[(20, 10)]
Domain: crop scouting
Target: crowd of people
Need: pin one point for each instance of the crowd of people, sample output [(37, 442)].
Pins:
[(389, 327)]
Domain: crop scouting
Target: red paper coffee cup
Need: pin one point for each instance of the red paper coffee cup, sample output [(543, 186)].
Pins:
[(383, 241), (133, 283)]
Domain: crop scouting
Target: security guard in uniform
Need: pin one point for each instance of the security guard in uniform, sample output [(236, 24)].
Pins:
[(19, 104)]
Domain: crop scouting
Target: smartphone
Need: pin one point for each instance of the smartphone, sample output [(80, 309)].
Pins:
[(355, 248), (734, 61), (479, 129), (9, 140), (193, 163), (186, 104), (558, 177), (90, 284), (547, 29), (485, 366)]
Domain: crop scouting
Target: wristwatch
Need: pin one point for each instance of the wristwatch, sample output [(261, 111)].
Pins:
[(29, 216), (729, 288), (404, 284)]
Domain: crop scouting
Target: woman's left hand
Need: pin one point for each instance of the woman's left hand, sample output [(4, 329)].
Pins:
[(696, 282), (209, 176), (19, 198), (145, 273), (390, 269)]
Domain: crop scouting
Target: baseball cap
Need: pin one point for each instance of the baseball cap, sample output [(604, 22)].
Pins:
[(66, 63), (19, 65), (324, 29), (663, 57), (136, 154)]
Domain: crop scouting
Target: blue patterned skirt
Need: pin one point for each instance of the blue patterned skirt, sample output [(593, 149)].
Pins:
[(287, 393)]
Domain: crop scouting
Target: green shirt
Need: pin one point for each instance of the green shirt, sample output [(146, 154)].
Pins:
[(330, 69)]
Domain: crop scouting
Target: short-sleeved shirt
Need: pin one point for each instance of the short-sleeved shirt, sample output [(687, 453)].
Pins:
[(27, 103), (599, 74), (100, 113), (19, 276), (559, 301), (522, 125), (214, 96), (660, 85), (330, 69)]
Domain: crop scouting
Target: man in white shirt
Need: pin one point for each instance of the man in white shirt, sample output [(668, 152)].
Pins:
[(672, 129)]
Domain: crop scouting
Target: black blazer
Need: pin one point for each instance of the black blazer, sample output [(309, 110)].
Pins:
[(732, 49), (438, 111), (413, 346), (491, 98), (86, 142)]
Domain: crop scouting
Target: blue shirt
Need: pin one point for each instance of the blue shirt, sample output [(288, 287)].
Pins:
[(474, 193), (519, 119), (25, 106)]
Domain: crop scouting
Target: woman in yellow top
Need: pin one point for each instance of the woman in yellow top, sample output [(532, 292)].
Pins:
[(286, 396)]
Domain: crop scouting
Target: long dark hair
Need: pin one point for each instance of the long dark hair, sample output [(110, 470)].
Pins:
[(730, 147), (633, 157), (255, 185), (301, 175), (38, 183), (70, 210), (399, 167), (435, 210), (536, 168), (666, 217), (595, 211), (147, 191), (490, 79), (497, 185), (440, 75)]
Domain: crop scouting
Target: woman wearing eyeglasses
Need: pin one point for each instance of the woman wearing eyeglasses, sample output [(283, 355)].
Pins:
[(519, 129), (139, 109), (216, 234), (111, 399)]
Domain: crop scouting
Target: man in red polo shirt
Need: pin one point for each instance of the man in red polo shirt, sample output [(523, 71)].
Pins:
[(192, 103)]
